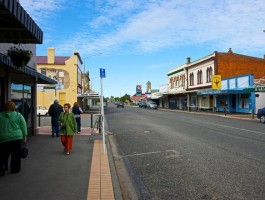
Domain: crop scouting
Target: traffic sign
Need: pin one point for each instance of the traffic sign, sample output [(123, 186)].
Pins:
[(102, 73), (216, 82)]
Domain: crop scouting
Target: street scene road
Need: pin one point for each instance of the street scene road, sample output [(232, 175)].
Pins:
[(181, 155)]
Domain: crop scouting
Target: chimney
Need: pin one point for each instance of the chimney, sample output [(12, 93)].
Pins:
[(188, 60), (51, 55), (230, 50)]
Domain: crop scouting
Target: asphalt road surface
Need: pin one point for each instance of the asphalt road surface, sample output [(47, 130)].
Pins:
[(180, 155)]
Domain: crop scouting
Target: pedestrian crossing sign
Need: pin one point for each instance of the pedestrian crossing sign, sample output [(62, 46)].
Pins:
[(216, 82)]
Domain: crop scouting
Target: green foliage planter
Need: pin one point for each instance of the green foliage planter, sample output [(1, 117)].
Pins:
[(19, 57)]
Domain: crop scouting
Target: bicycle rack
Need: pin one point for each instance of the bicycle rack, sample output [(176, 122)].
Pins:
[(97, 126)]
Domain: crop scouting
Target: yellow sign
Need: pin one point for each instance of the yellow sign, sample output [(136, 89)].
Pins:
[(216, 82)]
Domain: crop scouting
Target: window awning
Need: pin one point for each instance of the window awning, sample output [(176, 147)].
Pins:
[(40, 78), (16, 26)]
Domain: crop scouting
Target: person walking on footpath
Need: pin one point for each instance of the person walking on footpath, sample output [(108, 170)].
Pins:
[(13, 131), (77, 111), (68, 128), (54, 111)]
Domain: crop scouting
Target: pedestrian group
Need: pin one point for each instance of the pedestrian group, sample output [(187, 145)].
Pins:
[(13, 132)]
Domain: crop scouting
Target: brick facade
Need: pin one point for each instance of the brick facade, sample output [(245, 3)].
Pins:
[(231, 64)]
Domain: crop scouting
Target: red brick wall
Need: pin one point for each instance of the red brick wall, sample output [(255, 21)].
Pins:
[(231, 64)]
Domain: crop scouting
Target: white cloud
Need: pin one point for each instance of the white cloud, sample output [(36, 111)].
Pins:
[(40, 9), (147, 26)]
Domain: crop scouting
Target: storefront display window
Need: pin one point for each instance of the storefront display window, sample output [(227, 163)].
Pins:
[(21, 95), (244, 101), (193, 101), (223, 103)]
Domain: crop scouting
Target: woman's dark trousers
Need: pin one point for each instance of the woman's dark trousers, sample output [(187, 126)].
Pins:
[(10, 148), (78, 121)]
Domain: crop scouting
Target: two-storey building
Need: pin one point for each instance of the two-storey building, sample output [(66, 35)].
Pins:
[(198, 78), (66, 70)]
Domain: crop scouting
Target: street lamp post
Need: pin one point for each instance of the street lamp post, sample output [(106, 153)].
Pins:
[(83, 77)]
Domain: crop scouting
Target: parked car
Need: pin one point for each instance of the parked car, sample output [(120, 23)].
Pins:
[(151, 105), (120, 104), (42, 110), (142, 104), (261, 115)]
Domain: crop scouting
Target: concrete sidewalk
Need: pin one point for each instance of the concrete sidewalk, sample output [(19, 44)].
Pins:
[(47, 173)]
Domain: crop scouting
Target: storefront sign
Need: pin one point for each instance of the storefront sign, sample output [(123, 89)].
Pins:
[(138, 90)]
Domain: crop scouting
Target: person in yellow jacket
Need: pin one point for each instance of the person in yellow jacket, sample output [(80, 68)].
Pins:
[(13, 131), (68, 128)]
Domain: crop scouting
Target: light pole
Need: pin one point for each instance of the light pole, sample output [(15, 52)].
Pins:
[(83, 76), (97, 54)]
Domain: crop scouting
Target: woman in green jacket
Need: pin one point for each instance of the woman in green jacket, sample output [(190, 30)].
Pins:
[(13, 131), (68, 128)]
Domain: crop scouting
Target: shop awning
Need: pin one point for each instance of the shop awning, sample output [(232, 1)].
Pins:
[(16, 26), (40, 78)]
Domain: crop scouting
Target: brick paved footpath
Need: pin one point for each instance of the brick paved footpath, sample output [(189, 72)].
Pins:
[(100, 183)]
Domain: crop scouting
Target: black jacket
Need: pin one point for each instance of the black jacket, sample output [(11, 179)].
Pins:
[(55, 111)]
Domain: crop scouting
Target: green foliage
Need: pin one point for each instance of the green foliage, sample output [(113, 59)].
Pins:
[(19, 57)]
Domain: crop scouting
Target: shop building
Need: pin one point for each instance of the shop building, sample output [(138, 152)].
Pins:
[(19, 83), (185, 81)]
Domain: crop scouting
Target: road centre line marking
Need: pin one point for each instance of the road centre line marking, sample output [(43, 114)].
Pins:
[(241, 129), (148, 153)]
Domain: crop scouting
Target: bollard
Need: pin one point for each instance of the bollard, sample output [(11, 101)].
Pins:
[(225, 110), (39, 119), (91, 120)]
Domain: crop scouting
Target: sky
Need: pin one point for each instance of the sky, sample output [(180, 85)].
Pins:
[(137, 41)]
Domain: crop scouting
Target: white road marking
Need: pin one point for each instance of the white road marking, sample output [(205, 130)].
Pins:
[(148, 153), (241, 129)]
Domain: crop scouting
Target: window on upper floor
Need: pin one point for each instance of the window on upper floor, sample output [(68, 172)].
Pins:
[(191, 78), (171, 82), (183, 81), (43, 71), (177, 83), (209, 73), (199, 77)]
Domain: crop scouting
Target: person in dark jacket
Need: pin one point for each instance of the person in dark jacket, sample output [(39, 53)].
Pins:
[(77, 111), (13, 131), (54, 111)]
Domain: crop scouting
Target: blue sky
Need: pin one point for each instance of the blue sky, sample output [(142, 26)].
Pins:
[(141, 40)]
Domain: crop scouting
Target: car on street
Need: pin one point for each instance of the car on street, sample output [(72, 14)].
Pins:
[(120, 104), (151, 105), (261, 115), (42, 110), (142, 104)]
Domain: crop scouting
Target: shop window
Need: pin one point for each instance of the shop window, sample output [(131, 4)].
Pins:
[(223, 103), (244, 101), (21, 95), (193, 101)]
